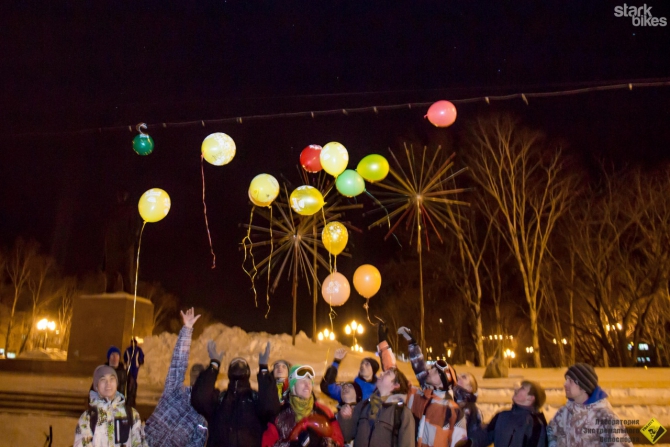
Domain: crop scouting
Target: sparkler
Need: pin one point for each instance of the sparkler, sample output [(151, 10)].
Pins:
[(418, 200), (295, 241)]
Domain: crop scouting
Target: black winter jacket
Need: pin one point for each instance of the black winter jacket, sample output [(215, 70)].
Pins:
[(518, 427), (238, 416)]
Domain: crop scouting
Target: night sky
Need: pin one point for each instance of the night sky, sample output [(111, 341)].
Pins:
[(69, 67)]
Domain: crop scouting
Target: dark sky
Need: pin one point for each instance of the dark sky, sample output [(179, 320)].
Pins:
[(79, 65)]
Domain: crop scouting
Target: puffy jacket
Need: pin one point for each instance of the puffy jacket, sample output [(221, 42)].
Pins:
[(591, 424), (278, 432), (332, 389), (518, 427), (467, 401), (238, 416), (379, 433), (104, 433)]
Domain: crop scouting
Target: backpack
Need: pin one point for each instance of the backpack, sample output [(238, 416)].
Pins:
[(397, 420), (121, 425)]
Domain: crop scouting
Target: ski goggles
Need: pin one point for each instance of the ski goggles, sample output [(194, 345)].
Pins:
[(304, 372), (443, 366)]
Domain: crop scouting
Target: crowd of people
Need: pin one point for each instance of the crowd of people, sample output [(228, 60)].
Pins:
[(379, 408)]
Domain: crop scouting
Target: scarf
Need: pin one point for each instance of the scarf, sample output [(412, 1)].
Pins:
[(301, 407), (376, 402)]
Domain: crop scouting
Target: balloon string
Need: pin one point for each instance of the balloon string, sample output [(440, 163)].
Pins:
[(366, 306), (209, 236), (137, 273), (331, 314), (388, 218), (272, 248), (251, 254)]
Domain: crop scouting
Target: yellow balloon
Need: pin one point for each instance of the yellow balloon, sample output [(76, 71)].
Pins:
[(335, 237), (154, 205), (334, 158), (306, 200), (218, 149), (263, 190)]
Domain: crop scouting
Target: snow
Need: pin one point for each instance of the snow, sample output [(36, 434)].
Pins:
[(636, 394)]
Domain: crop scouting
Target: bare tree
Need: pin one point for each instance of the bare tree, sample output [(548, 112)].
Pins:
[(66, 292), (18, 269), (528, 189), (164, 302), (468, 281), (40, 267)]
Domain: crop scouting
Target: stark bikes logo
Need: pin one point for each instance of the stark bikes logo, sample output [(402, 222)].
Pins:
[(641, 15)]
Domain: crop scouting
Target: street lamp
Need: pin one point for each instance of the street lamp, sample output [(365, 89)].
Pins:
[(44, 325), (352, 329), (326, 335)]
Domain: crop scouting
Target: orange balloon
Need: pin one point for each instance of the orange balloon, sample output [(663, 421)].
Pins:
[(335, 289), (367, 280)]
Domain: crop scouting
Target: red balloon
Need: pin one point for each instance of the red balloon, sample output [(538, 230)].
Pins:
[(441, 114), (316, 422), (310, 158)]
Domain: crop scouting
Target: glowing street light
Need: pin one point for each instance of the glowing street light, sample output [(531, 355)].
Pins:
[(44, 325), (352, 329), (326, 335)]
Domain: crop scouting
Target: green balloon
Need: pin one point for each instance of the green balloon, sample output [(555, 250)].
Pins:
[(373, 168), (143, 144), (350, 183)]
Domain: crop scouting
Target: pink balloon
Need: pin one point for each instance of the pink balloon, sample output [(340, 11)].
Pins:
[(442, 114), (335, 289)]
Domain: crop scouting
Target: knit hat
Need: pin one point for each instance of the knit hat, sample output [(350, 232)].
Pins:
[(238, 369), (359, 391), (584, 375), (296, 374), (373, 363), (101, 371), (112, 350)]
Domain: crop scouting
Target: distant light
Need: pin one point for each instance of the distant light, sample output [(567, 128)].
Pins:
[(11, 355), (618, 326), (325, 332), (564, 341), (347, 329), (554, 341), (448, 352), (440, 320), (332, 336), (360, 329)]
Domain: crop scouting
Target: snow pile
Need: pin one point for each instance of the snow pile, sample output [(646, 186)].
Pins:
[(44, 354), (235, 342)]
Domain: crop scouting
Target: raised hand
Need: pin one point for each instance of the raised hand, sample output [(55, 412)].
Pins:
[(264, 357), (340, 354), (188, 318), (405, 332), (213, 354)]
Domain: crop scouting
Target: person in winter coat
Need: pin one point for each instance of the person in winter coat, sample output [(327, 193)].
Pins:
[(465, 395), (174, 422), (441, 422), (108, 422), (366, 379), (114, 360), (238, 415), (134, 358), (522, 426), (587, 419), (280, 370), (382, 420), (302, 420)]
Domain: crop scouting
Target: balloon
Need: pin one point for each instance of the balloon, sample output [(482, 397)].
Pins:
[(350, 183), (154, 205), (373, 168), (367, 280), (335, 289), (334, 237), (317, 422), (334, 158), (310, 158), (442, 114), (218, 149), (306, 200), (263, 190), (143, 144)]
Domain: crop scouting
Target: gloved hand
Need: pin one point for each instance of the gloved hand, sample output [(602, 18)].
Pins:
[(405, 332), (382, 331), (213, 354), (264, 357)]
